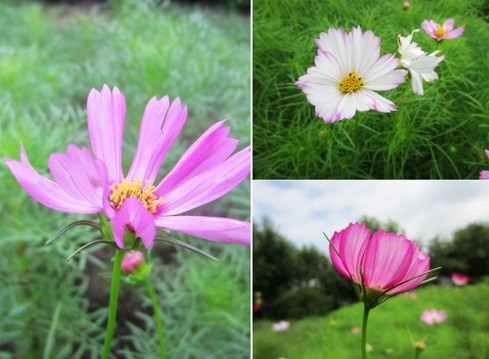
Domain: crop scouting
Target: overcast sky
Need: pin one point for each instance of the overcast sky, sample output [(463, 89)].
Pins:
[(302, 210)]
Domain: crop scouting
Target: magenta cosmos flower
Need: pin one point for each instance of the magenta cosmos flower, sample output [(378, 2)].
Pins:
[(382, 264), (460, 279), (86, 183), (485, 174), (433, 316), (348, 72), (441, 32)]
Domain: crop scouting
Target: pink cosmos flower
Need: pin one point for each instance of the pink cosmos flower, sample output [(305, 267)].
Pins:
[(347, 73), (85, 183), (131, 261), (460, 279), (382, 264), (433, 316), (440, 32), (485, 174), (280, 326)]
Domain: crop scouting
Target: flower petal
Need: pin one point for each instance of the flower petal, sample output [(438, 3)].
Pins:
[(387, 260), (45, 191), (350, 243), (160, 126), (455, 33), (211, 228), (80, 174), (420, 263), (448, 25), (106, 112), (133, 216), (212, 148), (207, 186)]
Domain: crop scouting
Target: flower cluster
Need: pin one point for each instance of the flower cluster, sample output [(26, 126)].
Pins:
[(349, 70)]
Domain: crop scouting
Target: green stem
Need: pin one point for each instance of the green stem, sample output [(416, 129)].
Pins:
[(366, 310), (114, 294), (157, 315)]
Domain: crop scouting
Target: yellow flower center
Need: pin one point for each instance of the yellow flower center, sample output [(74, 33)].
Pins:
[(351, 83), (145, 192), (440, 31)]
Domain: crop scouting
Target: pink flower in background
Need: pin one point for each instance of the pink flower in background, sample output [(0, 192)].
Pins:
[(441, 32), (460, 279), (347, 73), (85, 183), (406, 5), (131, 261), (280, 326), (355, 330), (413, 296), (381, 264), (433, 316), (485, 174)]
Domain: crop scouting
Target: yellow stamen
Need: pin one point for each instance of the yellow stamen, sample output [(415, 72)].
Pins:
[(351, 83), (145, 192), (440, 31)]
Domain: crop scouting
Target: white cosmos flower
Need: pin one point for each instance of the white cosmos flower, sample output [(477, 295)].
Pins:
[(419, 63), (348, 71)]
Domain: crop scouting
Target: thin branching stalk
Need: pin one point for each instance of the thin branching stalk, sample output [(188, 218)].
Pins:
[(366, 310), (114, 294), (157, 316)]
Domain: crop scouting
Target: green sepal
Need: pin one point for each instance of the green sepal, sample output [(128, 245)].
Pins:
[(70, 226), (186, 246)]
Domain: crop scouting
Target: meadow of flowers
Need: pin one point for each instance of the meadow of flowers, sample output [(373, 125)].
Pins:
[(361, 89)]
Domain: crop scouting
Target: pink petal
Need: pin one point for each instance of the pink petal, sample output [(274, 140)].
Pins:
[(430, 27), (80, 174), (106, 114), (207, 186), (387, 260), (448, 25), (134, 217), (420, 263), (212, 148), (45, 191), (351, 243), (211, 228), (160, 127), (455, 33)]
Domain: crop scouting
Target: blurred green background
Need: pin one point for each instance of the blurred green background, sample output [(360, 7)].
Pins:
[(51, 55)]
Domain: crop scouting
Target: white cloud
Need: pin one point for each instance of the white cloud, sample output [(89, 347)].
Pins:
[(302, 210)]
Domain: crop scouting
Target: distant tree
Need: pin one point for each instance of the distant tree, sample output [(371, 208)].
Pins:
[(467, 252), (374, 225), (275, 264)]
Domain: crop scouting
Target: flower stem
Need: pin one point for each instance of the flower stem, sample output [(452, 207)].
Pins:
[(114, 294), (366, 310), (157, 315)]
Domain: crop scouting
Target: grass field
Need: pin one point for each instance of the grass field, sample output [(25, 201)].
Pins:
[(50, 58), (393, 329), (442, 134)]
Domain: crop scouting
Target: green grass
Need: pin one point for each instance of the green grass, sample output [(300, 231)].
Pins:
[(393, 328), (442, 134), (50, 58)]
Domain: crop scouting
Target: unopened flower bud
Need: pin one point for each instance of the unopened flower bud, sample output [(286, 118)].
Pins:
[(406, 5), (131, 261)]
